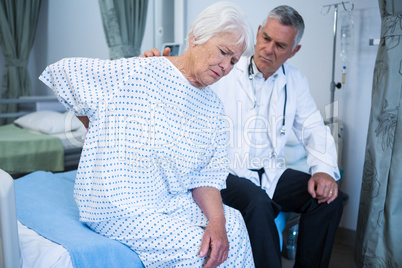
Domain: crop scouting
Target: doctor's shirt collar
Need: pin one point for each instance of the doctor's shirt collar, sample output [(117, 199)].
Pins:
[(259, 75)]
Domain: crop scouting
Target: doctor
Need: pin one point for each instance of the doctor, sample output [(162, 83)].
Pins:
[(265, 99), (269, 98)]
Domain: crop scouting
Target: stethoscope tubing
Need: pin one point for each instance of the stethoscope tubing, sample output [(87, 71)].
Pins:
[(251, 77)]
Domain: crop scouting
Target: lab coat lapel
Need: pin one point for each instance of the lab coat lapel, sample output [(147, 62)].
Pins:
[(243, 79)]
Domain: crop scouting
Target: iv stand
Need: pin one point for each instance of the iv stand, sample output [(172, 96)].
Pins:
[(332, 84)]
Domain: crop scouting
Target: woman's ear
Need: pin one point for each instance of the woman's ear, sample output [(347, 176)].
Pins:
[(191, 40)]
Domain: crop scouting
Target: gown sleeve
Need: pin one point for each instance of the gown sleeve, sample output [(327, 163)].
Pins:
[(86, 85), (215, 168)]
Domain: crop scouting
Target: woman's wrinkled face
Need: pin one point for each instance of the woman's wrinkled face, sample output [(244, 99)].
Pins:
[(214, 59)]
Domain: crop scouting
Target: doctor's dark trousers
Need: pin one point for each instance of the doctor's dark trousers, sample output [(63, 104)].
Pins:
[(317, 226)]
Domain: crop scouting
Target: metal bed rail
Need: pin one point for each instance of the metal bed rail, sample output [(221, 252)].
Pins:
[(24, 100)]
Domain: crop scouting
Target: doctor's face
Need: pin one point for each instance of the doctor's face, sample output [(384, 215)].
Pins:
[(213, 59), (274, 46)]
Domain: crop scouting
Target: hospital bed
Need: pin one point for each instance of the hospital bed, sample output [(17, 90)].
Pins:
[(48, 232), (40, 228), (40, 139)]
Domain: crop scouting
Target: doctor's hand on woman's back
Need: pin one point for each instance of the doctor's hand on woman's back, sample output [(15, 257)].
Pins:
[(155, 52)]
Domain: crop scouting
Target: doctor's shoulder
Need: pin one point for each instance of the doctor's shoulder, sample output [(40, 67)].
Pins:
[(295, 78)]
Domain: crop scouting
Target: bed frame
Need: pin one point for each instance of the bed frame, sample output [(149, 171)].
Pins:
[(26, 201), (31, 104), (9, 246)]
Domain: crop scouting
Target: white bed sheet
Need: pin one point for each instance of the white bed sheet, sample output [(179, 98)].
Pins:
[(39, 252)]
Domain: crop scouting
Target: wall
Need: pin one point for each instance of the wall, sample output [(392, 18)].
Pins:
[(74, 28), (66, 29)]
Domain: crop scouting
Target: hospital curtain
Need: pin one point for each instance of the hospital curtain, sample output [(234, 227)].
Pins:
[(18, 20), (124, 26), (379, 231)]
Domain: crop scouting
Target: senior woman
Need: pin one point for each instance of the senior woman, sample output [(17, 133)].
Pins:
[(154, 159)]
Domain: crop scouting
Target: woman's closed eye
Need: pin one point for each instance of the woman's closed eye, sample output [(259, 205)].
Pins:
[(233, 60), (224, 53)]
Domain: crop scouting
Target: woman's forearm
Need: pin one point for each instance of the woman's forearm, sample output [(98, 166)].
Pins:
[(215, 237), (210, 201)]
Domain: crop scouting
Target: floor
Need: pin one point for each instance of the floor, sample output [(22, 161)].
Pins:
[(342, 252)]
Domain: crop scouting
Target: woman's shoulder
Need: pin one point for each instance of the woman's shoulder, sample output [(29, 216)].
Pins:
[(156, 65)]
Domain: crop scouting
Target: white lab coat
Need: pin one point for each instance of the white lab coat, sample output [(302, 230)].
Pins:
[(236, 92)]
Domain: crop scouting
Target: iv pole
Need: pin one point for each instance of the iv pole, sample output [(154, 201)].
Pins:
[(333, 85)]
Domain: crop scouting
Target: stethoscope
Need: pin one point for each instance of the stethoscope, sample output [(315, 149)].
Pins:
[(251, 77)]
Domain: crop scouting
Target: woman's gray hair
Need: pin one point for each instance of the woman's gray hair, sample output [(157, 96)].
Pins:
[(219, 18), (288, 16)]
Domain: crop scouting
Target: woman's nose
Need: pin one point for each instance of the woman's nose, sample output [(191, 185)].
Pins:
[(225, 64)]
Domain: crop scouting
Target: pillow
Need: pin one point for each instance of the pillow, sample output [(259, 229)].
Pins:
[(49, 122)]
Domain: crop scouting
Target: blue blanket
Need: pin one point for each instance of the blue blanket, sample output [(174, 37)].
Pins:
[(45, 204)]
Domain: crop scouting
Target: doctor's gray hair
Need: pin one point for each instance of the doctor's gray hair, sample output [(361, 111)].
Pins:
[(288, 16), (219, 18)]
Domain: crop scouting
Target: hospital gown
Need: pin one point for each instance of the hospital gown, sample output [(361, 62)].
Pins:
[(152, 138)]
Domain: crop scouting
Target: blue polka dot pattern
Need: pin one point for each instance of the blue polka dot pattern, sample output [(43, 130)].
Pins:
[(173, 240), (152, 138)]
